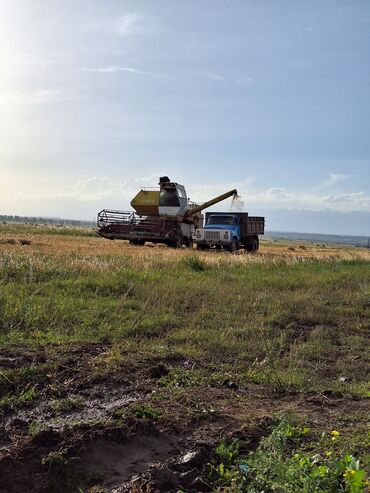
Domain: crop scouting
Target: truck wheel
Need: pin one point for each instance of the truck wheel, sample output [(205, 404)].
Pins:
[(202, 247), (233, 245), (253, 245)]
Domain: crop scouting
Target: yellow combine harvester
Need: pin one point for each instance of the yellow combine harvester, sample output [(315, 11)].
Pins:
[(161, 216)]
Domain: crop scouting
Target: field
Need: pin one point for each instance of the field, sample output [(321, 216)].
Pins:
[(149, 369)]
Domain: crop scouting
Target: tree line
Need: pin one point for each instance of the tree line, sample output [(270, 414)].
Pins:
[(6, 218)]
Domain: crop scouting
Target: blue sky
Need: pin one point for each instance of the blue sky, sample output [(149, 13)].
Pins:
[(99, 98)]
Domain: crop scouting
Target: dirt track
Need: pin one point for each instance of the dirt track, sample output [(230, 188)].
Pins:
[(108, 434)]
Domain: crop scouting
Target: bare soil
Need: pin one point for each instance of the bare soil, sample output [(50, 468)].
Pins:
[(92, 426)]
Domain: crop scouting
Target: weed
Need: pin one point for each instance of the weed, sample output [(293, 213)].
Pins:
[(110, 360), (35, 428), (137, 411), (179, 377), (67, 404), (12, 401), (145, 412), (195, 263), (282, 463)]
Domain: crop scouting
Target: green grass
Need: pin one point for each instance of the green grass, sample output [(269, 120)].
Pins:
[(297, 326), (138, 411), (67, 404), (12, 401), (287, 460), (9, 228)]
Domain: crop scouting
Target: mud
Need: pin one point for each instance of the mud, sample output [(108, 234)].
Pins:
[(123, 428)]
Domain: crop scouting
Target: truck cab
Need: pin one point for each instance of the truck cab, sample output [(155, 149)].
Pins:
[(219, 231), (230, 231)]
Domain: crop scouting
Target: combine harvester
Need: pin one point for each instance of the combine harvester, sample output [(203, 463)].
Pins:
[(167, 216), (162, 216)]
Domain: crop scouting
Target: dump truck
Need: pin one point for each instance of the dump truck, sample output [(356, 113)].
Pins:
[(230, 231), (161, 216)]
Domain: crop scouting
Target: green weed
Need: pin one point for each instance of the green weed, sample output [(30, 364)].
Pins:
[(35, 428), (67, 404), (179, 377), (194, 263), (145, 412), (12, 401), (283, 462)]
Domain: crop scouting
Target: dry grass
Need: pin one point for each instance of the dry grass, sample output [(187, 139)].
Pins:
[(97, 253)]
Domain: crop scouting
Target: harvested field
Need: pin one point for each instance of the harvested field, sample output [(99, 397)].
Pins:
[(129, 368)]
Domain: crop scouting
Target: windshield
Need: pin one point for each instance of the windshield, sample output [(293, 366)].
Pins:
[(169, 198), (229, 220)]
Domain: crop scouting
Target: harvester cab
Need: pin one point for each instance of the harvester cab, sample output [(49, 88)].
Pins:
[(173, 200)]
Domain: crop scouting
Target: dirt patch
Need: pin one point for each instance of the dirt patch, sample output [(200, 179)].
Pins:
[(118, 462), (124, 426)]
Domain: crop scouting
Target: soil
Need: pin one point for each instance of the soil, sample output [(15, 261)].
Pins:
[(97, 425)]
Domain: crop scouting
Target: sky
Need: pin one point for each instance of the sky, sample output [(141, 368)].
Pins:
[(100, 98)]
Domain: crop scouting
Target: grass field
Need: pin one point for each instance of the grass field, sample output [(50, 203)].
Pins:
[(181, 370)]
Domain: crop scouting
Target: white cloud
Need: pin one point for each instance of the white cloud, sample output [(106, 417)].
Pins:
[(111, 69), (360, 198), (213, 76), (105, 191), (247, 80), (129, 24), (311, 200), (45, 96), (36, 97), (96, 188), (333, 179), (31, 60)]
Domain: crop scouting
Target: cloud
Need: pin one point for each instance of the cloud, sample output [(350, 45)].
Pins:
[(45, 96), (212, 76), (129, 24), (96, 188), (31, 60), (247, 80), (111, 69), (222, 78), (359, 198), (105, 191), (37, 97), (311, 200), (333, 179)]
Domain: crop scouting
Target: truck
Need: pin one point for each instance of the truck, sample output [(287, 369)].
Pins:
[(163, 215), (230, 231)]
